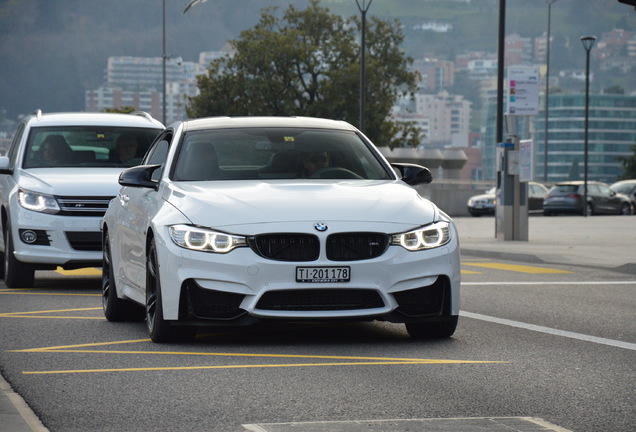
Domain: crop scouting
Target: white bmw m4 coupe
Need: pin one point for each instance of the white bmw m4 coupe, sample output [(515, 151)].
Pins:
[(235, 221)]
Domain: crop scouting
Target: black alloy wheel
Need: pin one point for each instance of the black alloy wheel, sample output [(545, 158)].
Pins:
[(160, 330)]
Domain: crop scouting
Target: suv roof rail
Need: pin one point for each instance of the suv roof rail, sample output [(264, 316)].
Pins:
[(38, 113), (142, 114)]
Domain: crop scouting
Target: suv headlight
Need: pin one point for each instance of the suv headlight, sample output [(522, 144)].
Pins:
[(426, 237), (201, 239), (38, 202)]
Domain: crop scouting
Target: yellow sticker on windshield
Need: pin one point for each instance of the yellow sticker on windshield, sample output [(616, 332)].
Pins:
[(288, 139)]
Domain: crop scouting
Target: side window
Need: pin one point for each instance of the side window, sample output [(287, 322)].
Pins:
[(158, 153), (605, 191), (14, 148)]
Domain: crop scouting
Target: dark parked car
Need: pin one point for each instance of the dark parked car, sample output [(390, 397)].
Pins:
[(627, 188), (485, 204), (568, 197)]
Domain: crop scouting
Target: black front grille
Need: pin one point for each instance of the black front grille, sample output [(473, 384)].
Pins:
[(212, 304), (356, 246), (85, 240), (428, 300), (83, 206), (320, 300), (286, 247)]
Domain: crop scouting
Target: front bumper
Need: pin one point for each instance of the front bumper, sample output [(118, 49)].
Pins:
[(65, 241), (241, 287)]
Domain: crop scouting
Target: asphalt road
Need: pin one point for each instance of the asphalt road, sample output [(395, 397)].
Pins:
[(542, 347)]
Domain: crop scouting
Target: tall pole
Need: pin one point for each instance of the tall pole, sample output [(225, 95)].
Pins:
[(164, 58), (500, 69), (588, 42), (547, 92), (363, 84)]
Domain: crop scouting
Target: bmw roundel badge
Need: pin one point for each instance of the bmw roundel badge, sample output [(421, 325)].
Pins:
[(320, 226)]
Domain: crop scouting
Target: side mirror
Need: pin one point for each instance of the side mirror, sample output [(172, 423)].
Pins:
[(139, 176), (413, 174), (5, 165)]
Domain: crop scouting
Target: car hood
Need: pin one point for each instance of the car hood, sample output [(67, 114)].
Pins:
[(232, 203), (71, 181), (483, 197)]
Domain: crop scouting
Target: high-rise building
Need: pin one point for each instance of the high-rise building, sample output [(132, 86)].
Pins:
[(611, 134)]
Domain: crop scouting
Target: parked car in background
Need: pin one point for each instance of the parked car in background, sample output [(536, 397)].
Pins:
[(627, 188), (486, 203), (56, 181), (568, 198), (231, 221)]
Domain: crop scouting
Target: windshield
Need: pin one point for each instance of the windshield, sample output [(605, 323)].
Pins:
[(87, 146), (276, 153)]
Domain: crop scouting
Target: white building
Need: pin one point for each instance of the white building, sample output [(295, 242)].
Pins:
[(447, 118)]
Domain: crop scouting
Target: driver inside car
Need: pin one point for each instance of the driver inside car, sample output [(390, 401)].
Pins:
[(315, 161)]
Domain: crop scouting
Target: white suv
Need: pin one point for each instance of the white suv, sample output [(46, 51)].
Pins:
[(56, 181)]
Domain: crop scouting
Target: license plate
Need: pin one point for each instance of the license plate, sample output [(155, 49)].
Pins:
[(323, 274)]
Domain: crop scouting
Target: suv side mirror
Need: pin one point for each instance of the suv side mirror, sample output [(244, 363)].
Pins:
[(139, 176), (413, 174)]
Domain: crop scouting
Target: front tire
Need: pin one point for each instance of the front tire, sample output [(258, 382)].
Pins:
[(432, 330), (115, 309), (16, 273), (626, 209), (160, 330)]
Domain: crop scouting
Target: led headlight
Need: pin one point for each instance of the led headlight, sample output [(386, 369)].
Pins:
[(38, 202), (201, 239), (426, 237)]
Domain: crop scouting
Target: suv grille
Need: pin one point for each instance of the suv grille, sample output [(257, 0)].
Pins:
[(83, 206), (356, 246), (320, 300), (286, 247)]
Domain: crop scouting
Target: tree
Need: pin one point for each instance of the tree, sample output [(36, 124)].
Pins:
[(629, 165), (125, 109), (307, 63)]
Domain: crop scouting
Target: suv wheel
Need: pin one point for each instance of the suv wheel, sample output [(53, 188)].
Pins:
[(16, 273)]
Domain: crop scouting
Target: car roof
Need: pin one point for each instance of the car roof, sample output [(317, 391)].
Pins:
[(248, 122), (577, 182), (136, 119)]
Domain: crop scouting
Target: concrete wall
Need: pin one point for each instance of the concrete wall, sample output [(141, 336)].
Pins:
[(452, 197)]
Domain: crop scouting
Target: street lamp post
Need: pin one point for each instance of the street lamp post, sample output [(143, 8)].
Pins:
[(588, 43), (363, 8), (547, 92)]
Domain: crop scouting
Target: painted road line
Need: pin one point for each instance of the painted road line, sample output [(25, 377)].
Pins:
[(551, 331), (90, 271), (517, 268), (603, 283)]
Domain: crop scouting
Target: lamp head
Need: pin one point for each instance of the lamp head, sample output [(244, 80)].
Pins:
[(588, 42)]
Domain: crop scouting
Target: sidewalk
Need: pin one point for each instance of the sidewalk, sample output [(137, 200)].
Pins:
[(607, 242), (597, 241)]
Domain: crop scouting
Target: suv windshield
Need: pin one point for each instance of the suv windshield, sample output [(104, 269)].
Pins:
[(87, 146), (276, 153)]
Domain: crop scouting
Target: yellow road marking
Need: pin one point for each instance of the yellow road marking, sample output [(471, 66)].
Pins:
[(255, 366), (356, 360), (91, 271), (12, 291), (36, 314), (517, 268), (470, 272)]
